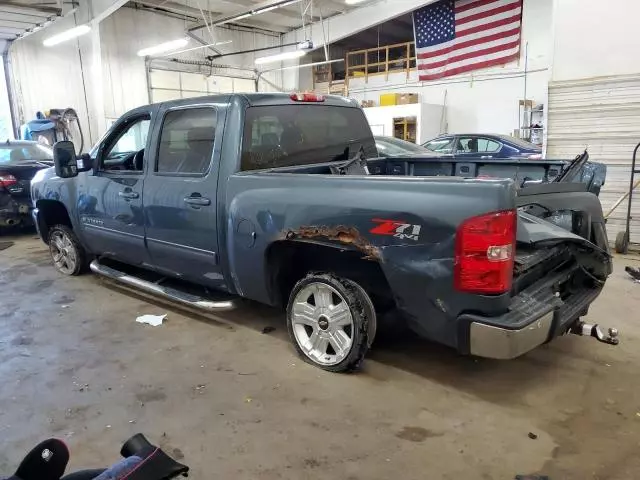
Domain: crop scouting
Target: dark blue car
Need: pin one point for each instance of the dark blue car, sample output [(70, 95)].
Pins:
[(484, 146)]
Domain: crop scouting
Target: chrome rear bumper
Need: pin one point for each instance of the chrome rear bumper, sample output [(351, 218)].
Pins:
[(501, 343)]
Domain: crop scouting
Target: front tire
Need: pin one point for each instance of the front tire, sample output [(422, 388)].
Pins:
[(330, 322), (68, 255)]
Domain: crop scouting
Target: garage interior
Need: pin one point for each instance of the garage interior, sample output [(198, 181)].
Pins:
[(224, 392)]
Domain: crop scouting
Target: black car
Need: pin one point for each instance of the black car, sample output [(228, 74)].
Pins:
[(484, 146), (19, 162)]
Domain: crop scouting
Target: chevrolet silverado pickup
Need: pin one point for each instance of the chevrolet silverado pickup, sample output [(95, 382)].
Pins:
[(283, 200)]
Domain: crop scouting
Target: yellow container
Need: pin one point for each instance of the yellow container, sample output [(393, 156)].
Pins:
[(388, 99)]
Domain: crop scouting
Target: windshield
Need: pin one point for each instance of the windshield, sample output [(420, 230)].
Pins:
[(520, 143), (394, 147), (288, 135), (28, 152)]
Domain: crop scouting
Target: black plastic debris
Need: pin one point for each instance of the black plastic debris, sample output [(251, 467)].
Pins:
[(533, 436), (634, 272), (267, 330), (532, 477)]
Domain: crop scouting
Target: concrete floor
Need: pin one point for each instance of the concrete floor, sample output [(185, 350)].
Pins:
[(232, 402)]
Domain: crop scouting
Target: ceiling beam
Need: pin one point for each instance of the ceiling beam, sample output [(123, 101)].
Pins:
[(104, 8), (27, 17), (270, 27), (247, 9), (17, 22), (355, 20), (176, 7), (9, 6), (7, 29)]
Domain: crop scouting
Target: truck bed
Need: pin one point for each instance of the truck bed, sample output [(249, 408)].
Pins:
[(521, 170)]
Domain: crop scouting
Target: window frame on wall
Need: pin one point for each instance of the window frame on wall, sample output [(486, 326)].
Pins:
[(156, 163)]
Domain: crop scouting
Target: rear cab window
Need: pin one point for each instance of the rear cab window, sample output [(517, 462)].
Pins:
[(289, 135)]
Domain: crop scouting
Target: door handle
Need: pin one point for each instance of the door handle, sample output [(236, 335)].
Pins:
[(197, 200), (129, 195)]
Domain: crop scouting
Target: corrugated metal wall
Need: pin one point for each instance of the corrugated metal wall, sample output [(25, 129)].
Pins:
[(602, 114)]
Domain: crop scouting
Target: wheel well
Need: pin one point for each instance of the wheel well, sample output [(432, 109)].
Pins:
[(52, 213), (290, 261)]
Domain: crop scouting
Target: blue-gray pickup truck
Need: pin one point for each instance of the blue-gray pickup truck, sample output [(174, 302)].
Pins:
[(281, 199)]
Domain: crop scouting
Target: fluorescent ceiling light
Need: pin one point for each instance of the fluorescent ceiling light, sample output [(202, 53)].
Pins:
[(280, 57), (163, 47), (240, 17), (226, 42), (353, 2), (66, 35), (257, 11)]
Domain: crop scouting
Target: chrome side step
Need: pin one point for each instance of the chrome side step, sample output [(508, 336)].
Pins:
[(156, 289)]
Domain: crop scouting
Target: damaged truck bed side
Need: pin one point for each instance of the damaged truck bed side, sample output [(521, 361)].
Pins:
[(269, 197)]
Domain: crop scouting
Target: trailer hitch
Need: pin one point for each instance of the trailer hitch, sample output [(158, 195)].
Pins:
[(588, 330)]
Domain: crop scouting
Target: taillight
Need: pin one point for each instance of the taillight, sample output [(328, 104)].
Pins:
[(485, 247), (6, 179), (307, 97)]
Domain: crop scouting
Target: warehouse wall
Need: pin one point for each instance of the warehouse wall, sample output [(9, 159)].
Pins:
[(487, 100), (128, 30), (594, 95), (100, 75), (595, 38), (48, 77)]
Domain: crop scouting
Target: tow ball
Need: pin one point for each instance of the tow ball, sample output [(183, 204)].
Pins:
[(588, 330)]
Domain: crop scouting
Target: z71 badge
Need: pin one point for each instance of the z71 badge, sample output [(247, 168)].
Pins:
[(396, 228)]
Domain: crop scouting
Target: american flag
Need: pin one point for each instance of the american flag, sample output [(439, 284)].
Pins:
[(457, 36)]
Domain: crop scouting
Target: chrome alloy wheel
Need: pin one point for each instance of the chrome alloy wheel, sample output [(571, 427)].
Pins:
[(63, 252), (322, 324)]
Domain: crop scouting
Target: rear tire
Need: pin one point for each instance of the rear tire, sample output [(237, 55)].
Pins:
[(330, 321), (67, 253), (622, 243)]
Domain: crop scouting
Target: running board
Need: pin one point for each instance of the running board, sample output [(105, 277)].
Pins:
[(169, 293)]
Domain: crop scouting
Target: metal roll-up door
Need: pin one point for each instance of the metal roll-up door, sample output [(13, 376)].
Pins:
[(602, 114), (167, 85)]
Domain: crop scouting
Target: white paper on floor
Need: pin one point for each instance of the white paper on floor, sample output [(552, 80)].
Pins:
[(153, 320)]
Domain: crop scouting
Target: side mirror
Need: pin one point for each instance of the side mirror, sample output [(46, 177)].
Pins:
[(64, 159)]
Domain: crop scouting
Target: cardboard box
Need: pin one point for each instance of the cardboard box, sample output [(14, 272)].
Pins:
[(408, 99), (389, 99)]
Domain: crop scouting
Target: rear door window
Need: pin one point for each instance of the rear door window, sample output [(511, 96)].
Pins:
[(440, 145), (186, 141), (477, 145), (291, 135)]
